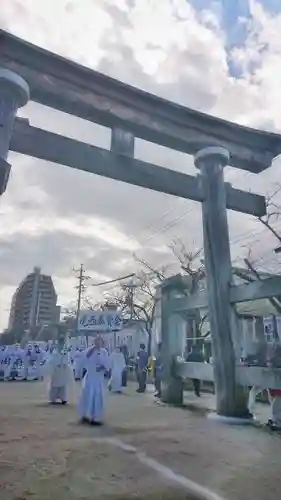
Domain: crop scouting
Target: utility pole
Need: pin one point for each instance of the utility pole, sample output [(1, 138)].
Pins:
[(81, 277), (130, 289)]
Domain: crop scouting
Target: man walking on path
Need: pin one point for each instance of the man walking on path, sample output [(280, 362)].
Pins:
[(142, 362), (158, 372), (59, 373)]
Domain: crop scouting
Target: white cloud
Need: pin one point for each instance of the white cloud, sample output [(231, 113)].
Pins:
[(57, 217)]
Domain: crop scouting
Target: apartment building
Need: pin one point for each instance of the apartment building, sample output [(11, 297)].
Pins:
[(34, 302)]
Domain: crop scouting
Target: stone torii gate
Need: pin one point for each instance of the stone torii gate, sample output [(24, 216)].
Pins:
[(129, 112)]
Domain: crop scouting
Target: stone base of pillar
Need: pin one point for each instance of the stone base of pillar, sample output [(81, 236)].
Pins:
[(5, 169), (231, 420), (172, 393)]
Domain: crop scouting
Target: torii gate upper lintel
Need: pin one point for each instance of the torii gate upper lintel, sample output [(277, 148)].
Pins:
[(67, 86), (74, 89)]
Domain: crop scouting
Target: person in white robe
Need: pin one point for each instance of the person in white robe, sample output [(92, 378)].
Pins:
[(8, 362), (38, 362), (255, 391), (32, 368), (27, 360), (18, 363), (78, 364), (46, 354), (3, 358), (59, 375), (2, 362), (20, 373), (274, 422), (91, 406), (2, 352), (117, 365)]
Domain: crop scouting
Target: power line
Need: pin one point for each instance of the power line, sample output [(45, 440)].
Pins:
[(149, 226), (167, 226), (242, 237), (114, 280)]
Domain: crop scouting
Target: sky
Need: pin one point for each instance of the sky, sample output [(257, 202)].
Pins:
[(221, 57)]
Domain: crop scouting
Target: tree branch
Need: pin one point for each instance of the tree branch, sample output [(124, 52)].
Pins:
[(273, 300), (187, 262), (270, 228), (273, 210)]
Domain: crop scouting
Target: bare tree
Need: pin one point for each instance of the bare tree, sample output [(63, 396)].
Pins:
[(273, 212), (138, 299), (191, 263), (273, 209), (251, 273), (275, 301)]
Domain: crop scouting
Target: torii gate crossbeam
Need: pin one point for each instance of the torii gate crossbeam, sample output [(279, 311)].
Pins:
[(55, 148)]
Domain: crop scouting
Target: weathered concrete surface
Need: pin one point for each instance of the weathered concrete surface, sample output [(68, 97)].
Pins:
[(207, 403), (245, 375), (45, 453)]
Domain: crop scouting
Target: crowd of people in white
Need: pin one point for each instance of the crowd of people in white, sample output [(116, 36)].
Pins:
[(28, 363), (60, 366)]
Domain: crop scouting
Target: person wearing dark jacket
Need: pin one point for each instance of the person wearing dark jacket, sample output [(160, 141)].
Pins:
[(124, 350), (195, 356), (158, 372), (141, 368)]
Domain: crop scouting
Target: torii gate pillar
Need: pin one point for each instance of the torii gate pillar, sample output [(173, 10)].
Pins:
[(172, 385), (211, 161), (14, 93)]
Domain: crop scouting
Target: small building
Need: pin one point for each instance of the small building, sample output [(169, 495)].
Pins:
[(254, 316), (132, 335)]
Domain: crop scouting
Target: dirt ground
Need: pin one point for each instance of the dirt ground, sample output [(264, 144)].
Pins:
[(144, 451)]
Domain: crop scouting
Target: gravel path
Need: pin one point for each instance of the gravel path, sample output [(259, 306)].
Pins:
[(144, 451)]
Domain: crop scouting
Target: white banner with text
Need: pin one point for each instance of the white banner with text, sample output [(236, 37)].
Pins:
[(100, 321)]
